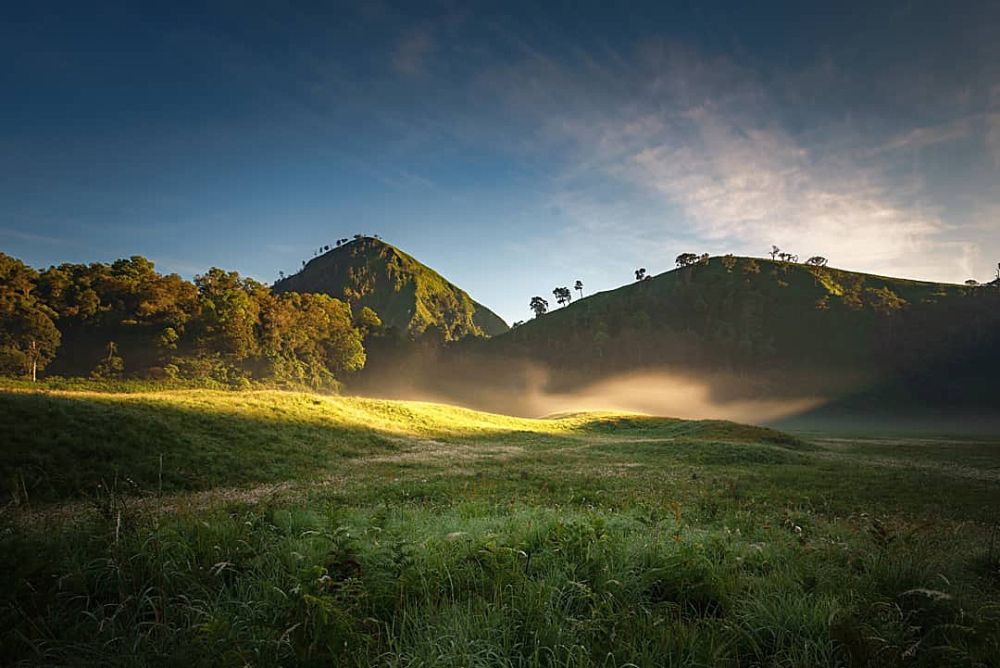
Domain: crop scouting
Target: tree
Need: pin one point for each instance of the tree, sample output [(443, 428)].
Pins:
[(884, 301), (309, 338), (229, 312), (972, 283), (686, 260), (563, 296), (578, 286), (774, 251), (539, 306), (817, 261), (367, 321), (729, 262), (111, 366), (28, 335), (640, 274)]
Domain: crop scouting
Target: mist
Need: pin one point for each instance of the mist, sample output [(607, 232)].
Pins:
[(529, 389)]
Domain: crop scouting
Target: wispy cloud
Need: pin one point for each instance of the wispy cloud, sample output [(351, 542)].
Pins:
[(705, 137), (33, 238), (410, 56)]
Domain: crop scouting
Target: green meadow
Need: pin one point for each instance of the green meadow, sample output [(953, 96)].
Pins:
[(196, 527)]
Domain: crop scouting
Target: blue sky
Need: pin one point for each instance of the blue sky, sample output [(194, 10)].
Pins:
[(513, 148)]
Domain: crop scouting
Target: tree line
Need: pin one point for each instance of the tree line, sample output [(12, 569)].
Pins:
[(126, 319)]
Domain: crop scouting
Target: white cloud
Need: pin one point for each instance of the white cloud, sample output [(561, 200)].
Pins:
[(705, 137)]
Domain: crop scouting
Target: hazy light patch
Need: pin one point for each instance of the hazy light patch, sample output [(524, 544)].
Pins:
[(522, 388), (666, 396)]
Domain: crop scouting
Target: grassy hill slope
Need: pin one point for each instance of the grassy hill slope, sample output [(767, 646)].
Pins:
[(60, 444), (405, 293), (778, 327)]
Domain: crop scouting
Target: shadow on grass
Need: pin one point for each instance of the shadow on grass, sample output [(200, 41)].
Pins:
[(57, 447)]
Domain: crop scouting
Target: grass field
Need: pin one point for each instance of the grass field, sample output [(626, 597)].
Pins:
[(197, 527)]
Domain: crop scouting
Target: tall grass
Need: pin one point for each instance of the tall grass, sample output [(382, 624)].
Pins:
[(450, 538)]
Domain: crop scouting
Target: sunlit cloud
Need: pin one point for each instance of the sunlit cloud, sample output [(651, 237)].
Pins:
[(705, 137)]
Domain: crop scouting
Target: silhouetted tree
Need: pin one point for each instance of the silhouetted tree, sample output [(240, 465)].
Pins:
[(686, 259), (640, 274), (563, 296), (516, 324), (972, 283), (281, 275), (774, 251), (817, 261), (539, 306), (578, 286)]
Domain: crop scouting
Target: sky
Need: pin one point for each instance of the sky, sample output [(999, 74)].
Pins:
[(514, 148)]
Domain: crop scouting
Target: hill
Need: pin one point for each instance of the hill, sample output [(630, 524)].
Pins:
[(749, 327), (406, 294), (61, 444)]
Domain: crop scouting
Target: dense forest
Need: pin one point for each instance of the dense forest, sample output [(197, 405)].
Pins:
[(126, 319)]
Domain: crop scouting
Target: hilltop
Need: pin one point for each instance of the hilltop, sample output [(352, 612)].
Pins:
[(741, 312), (405, 293)]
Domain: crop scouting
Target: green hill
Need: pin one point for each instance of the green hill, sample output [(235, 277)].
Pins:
[(406, 294), (751, 327)]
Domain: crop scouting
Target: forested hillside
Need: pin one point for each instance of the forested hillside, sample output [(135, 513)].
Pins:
[(408, 296), (127, 319)]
